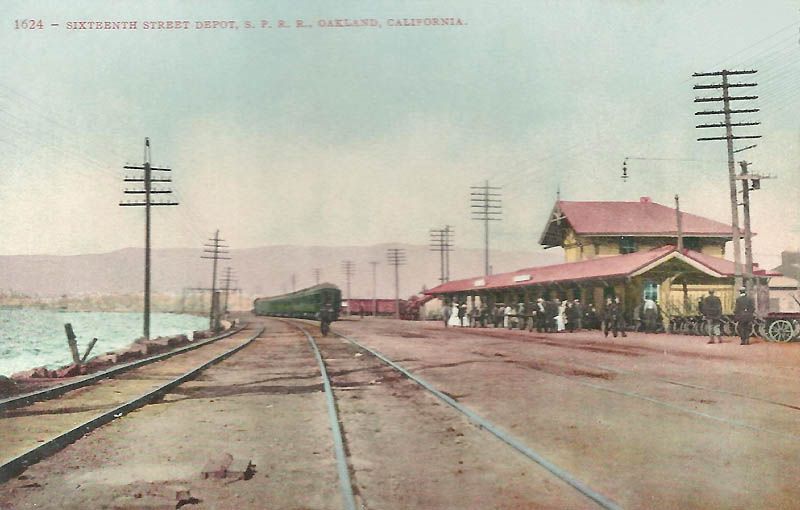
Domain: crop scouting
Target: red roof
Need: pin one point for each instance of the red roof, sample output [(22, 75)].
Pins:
[(641, 218), (617, 266)]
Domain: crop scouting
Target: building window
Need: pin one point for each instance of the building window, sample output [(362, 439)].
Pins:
[(650, 291), (691, 243), (627, 244)]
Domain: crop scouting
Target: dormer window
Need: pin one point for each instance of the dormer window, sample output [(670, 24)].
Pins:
[(627, 244)]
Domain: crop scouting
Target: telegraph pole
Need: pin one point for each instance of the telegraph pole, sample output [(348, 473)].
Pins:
[(374, 264), (215, 253), (317, 272), (397, 258), (227, 280), (148, 191), (440, 241), (294, 282), (486, 206), (729, 137), (349, 269), (750, 182)]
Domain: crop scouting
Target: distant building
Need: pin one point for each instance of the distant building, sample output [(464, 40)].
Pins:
[(790, 264), (622, 249)]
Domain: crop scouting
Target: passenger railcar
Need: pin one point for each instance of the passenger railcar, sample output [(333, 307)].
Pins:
[(305, 303)]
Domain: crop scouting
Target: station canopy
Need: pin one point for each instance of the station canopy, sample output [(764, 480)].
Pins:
[(662, 262)]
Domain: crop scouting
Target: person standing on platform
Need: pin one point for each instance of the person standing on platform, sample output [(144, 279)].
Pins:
[(445, 313), (712, 311), (462, 312), (454, 321), (540, 316), (744, 312), (576, 304), (649, 315)]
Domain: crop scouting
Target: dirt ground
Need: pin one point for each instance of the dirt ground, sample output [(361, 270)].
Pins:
[(649, 421)]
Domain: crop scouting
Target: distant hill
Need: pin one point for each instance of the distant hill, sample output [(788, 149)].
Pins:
[(261, 271)]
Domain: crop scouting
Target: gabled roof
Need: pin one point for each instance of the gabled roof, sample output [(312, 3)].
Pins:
[(617, 266), (642, 218)]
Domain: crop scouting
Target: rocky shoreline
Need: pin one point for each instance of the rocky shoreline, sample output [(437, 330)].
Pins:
[(42, 377)]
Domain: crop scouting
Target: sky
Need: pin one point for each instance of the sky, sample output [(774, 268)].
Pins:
[(364, 135)]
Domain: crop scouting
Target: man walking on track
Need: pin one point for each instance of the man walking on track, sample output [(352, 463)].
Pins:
[(712, 311), (743, 313)]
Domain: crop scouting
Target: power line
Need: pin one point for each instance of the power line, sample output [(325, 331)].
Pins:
[(486, 206), (397, 258), (147, 203)]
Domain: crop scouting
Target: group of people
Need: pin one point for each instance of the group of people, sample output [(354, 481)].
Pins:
[(743, 313), (547, 316)]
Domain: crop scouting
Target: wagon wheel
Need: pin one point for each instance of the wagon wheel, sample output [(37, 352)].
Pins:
[(728, 328), (781, 330), (796, 328), (762, 329), (702, 328)]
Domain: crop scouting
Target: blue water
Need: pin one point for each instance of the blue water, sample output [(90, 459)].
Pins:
[(32, 338)]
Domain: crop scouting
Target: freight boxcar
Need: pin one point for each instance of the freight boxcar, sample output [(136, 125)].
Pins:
[(305, 303)]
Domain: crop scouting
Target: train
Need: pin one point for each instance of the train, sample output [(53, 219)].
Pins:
[(302, 304)]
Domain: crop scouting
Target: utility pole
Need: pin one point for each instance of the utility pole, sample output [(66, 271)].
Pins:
[(294, 282), (440, 241), (679, 223), (349, 269), (374, 264), (729, 137), (215, 253), (148, 191), (486, 206), (397, 258), (227, 280), (750, 182), (317, 272)]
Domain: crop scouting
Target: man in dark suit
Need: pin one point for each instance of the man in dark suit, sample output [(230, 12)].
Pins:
[(744, 312), (712, 311)]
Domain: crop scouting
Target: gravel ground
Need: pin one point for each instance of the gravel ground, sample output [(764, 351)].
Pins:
[(649, 421)]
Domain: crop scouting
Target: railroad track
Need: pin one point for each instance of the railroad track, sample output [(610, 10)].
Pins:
[(345, 469), (115, 392), (56, 391)]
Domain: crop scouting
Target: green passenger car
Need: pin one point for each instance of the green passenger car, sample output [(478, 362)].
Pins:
[(305, 303)]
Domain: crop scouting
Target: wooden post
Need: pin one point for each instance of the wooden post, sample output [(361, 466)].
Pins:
[(88, 349), (73, 343)]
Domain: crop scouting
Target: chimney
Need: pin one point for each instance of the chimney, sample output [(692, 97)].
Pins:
[(645, 200)]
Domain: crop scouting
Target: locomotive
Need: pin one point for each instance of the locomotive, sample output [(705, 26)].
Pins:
[(302, 304)]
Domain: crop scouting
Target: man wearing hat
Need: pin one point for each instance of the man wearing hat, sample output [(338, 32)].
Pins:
[(712, 311), (743, 313)]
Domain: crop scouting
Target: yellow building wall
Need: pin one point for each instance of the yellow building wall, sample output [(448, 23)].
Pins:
[(578, 248), (673, 301)]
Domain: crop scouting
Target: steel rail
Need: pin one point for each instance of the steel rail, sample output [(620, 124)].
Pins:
[(16, 465), (345, 484), (56, 391), (504, 436)]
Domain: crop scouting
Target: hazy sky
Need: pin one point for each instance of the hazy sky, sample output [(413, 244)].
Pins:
[(365, 135)]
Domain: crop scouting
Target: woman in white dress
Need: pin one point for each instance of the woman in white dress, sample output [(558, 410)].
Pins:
[(560, 317), (454, 320)]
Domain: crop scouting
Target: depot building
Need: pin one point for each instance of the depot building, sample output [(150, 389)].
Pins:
[(622, 249)]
